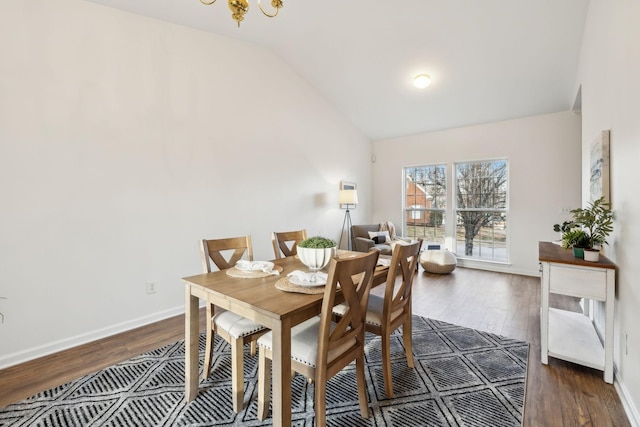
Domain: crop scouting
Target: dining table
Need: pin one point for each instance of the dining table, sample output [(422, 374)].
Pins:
[(258, 299)]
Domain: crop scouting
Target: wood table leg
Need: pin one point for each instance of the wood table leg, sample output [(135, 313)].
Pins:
[(281, 371), (191, 337)]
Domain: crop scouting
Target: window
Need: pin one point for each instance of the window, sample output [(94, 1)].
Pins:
[(479, 206), (481, 209), (425, 202)]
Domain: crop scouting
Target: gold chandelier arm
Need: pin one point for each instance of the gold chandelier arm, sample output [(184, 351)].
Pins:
[(276, 4), (207, 2)]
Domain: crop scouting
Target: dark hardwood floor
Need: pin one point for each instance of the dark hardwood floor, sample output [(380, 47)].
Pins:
[(560, 394)]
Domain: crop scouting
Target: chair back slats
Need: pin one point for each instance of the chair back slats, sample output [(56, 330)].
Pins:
[(346, 338), (225, 252), (405, 259), (285, 243)]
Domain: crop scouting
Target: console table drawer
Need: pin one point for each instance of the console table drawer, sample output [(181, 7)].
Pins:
[(578, 282)]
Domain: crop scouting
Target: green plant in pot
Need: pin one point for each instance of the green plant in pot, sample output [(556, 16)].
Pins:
[(596, 220), (564, 227), (316, 252), (577, 239), (572, 237)]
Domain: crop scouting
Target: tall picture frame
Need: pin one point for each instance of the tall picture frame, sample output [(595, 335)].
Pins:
[(599, 167)]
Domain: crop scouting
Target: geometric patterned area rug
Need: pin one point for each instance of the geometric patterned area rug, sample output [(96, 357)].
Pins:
[(462, 377)]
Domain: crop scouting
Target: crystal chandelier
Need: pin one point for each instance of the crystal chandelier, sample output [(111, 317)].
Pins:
[(240, 7)]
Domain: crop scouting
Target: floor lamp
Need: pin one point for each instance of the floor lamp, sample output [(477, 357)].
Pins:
[(347, 198)]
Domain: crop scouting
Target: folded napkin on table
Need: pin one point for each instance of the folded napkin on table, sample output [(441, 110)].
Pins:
[(263, 266), (385, 262), (316, 277)]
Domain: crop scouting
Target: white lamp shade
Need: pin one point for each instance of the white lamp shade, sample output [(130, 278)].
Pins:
[(348, 197)]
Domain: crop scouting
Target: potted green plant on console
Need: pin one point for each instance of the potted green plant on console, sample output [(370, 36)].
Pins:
[(572, 237), (596, 220), (577, 239)]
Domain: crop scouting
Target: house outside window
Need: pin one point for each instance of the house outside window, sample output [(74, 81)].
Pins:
[(425, 202)]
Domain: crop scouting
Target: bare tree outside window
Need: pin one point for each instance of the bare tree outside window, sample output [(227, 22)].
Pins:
[(481, 208)]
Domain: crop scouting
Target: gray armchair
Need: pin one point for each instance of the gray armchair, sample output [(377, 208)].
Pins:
[(362, 242)]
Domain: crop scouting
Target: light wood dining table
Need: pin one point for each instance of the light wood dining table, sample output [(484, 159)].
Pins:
[(259, 300)]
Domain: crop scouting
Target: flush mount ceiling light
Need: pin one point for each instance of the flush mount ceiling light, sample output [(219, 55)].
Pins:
[(240, 7), (422, 80)]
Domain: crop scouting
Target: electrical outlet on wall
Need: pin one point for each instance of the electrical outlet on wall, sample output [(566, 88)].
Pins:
[(151, 288), (626, 344)]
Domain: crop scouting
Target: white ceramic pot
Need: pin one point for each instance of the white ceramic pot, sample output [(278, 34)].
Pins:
[(591, 255), (316, 258)]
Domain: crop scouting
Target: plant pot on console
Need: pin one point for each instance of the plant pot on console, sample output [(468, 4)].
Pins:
[(577, 239), (591, 254)]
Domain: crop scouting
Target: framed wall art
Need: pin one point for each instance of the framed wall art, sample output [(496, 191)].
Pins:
[(599, 167), (346, 185)]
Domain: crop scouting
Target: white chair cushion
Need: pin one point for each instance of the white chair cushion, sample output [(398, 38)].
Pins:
[(374, 310), (235, 325), (304, 342)]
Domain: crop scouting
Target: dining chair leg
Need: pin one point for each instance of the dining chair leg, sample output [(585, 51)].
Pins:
[(264, 384), (408, 341), (386, 363), (209, 344), (237, 374), (253, 348), (320, 404), (362, 387)]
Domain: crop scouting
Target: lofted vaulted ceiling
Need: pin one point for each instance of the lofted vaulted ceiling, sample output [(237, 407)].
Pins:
[(489, 60)]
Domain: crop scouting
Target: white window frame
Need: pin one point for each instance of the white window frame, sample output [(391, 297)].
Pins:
[(502, 211), (416, 209)]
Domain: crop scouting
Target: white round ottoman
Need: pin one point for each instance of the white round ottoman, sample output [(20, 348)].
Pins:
[(439, 261)]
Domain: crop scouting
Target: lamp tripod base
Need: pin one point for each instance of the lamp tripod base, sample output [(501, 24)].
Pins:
[(346, 223)]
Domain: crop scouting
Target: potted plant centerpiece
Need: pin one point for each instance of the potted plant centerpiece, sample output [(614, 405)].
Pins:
[(597, 222), (316, 252)]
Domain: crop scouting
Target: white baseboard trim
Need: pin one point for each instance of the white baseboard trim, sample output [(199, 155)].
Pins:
[(64, 344), (496, 267), (627, 403)]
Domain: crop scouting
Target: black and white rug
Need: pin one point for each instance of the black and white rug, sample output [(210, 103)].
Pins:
[(462, 377)]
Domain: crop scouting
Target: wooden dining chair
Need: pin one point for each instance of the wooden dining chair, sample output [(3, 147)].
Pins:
[(285, 243), (233, 328), (386, 314), (321, 348)]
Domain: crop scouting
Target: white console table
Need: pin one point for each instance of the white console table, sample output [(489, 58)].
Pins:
[(572, 336)]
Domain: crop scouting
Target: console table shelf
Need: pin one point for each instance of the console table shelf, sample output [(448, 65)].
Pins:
[(572, 336)]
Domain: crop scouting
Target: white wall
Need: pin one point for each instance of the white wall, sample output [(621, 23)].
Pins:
[(544, 175), (609, 77), (124, 140)]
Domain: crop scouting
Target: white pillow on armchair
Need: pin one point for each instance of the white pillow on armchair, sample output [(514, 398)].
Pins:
[(379, 237)]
